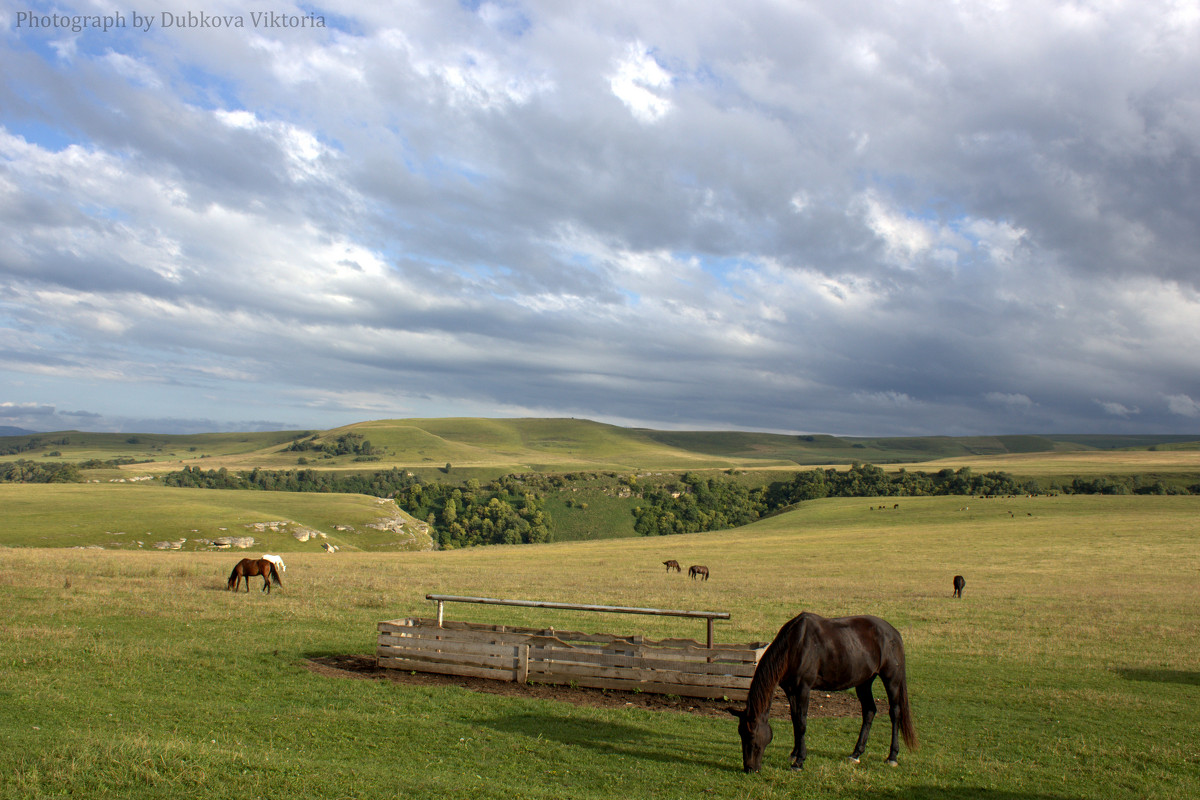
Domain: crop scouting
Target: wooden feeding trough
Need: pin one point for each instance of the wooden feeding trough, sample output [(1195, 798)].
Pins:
[(544, 655)]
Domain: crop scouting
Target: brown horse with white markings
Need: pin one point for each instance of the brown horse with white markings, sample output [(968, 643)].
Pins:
[(811, 652), (249, 567)]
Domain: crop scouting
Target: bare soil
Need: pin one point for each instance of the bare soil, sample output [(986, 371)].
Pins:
[(361, 667)]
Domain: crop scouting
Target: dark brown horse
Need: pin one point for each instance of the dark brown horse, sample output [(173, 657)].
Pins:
[(248, 568), (811, 652), (673, 565), (698, 571), (959, 583)]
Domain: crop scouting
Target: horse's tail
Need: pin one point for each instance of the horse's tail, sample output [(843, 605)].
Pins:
[(907, 729), (275, 574)]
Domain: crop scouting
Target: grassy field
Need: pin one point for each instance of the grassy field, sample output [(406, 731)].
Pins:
[(1167, 463), (1069, 669), (132, 516)]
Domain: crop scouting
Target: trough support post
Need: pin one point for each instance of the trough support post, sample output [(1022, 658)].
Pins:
[(441, 610), (522, 671)]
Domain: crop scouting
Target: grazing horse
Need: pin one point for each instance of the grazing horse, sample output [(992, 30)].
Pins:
[(811, 652), (673, 565), (249, 567), (698, 570), (959, 583)]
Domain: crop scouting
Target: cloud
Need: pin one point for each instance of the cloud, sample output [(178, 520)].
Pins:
[(640, 83), (1015, 401), (812, 217), (1183, 405), (1117, 409)]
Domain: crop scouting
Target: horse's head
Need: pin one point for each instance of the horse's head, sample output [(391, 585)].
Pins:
[(756, 734)]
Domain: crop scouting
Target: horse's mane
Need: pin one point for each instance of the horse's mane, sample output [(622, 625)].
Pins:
[(772, 668)]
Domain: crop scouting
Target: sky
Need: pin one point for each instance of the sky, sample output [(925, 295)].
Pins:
[(859, 218)]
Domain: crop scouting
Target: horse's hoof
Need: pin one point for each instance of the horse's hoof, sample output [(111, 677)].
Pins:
[(893, 762), (853, 759)]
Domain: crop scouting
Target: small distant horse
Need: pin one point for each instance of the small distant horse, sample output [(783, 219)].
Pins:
[(248, 568), (959, 583), (697, 571), (673, 565), (811, 652)]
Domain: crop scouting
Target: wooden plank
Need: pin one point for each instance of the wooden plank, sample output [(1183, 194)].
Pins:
[(522, 673), (448, 669), (624, 661), (411, 624), (540, 668), (506, 662), (432, 638), (458, 648)]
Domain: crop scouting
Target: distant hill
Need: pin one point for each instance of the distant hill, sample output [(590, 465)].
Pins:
[(8, 430), (538, 445)]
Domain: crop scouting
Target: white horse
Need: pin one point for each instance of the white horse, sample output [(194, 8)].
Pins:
[(276, 560)]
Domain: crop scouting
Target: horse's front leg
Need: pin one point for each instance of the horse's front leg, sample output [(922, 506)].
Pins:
[(867, 700), (798, 705)]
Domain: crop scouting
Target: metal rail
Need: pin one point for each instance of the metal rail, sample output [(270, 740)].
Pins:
[(709, 616)]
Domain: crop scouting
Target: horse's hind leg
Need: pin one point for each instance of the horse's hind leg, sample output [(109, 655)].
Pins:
[(891, 687), (867, 700)]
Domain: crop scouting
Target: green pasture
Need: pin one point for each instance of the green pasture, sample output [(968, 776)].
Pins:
[(133, 516), (1069, 669)]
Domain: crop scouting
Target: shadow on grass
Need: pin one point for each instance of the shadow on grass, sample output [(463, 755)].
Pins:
[(615, 738), (960, 793), (1160, 676)]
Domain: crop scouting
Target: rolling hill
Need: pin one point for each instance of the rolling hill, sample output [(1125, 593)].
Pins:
[(541, 445)]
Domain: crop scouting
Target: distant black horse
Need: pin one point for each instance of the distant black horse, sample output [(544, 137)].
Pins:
[(249, 567), (959, 583), (811, 652), (698, 571)]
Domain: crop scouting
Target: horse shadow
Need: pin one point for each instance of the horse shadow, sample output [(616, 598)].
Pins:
[(617, 738), (958, 793)]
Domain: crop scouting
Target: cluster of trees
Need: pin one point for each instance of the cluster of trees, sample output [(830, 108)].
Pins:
[(348, 444), (869, 480), (470, 515), (24, 471), (698, 503), (1134, 484), (29, 445), (506, 511)]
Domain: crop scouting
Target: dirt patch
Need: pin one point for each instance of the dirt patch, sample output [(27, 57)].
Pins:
[(821, 704)]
